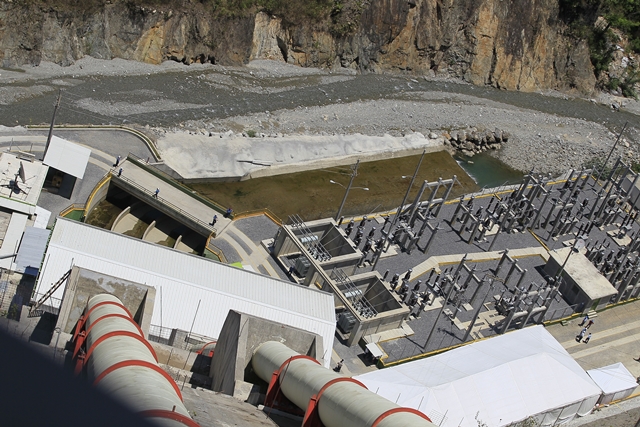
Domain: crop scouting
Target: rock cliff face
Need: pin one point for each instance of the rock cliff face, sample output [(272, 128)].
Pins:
[(515, 45)]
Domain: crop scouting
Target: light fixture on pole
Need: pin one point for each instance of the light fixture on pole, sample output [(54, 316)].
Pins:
[(347, 188)]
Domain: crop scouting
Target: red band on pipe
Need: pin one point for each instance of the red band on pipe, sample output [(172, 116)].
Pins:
[(201, 351), (86, 316), (108, 303), (274, 384), (338, 380), (144, 364), (172, 415), (292, 358), (122, 316), (121, 334), (396, 410)]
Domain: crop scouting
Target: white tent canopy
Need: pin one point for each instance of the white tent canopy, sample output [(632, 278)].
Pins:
[(525, 373), (67, 157), (615, 381)]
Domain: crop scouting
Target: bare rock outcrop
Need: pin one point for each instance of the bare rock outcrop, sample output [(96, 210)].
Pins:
[(515, 45)]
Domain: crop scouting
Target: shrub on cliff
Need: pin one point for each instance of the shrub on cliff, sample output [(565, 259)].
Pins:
[(595, 21)]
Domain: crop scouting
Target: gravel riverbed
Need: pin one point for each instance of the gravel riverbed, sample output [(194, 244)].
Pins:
[(550, 143)]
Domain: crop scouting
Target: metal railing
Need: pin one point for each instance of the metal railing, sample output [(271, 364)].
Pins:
[(170, 180), (163, 201), (52, 305), (217, 252), (159, 334)]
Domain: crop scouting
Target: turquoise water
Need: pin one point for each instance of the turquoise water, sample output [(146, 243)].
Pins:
[(487, 171)]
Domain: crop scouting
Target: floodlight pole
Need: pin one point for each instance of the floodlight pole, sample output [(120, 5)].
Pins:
[(346, 193)]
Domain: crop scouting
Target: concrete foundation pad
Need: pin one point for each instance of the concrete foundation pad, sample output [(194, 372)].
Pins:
[(620, 241), (391, 251), (267, 244), (403, 331)]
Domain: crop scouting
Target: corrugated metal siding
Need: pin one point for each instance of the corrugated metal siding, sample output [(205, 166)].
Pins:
[(185, 279), (32, 247)]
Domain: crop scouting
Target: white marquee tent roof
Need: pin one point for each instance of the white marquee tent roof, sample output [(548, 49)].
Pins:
[(503, 380), (614, 380), (181, 280)]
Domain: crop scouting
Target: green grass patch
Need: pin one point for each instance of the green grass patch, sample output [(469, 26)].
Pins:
[(75, 214)]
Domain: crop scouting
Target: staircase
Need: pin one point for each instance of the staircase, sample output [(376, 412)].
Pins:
[(35, 311)]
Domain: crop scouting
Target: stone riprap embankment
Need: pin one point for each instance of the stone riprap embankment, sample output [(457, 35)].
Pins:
[(476, 141)]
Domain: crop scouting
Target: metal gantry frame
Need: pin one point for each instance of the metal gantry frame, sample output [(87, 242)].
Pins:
[(353, 294), (310, 241)]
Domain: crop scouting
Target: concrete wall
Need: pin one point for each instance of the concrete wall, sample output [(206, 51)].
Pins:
[(348, 263), (84, 284), (120, 216), (241, 334), (162, 207), (99, 194), (336, 242)]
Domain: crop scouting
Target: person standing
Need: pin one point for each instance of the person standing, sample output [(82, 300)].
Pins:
[(119, 172), (586, 318), (155, 194)]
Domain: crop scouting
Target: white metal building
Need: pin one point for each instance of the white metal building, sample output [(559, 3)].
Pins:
[(183, 280), (505, 379)]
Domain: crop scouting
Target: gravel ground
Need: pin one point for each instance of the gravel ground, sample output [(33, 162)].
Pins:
[(549, 142)]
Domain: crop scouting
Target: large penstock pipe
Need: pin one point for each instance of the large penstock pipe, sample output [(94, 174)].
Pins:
[(341, 403), (121, 362)]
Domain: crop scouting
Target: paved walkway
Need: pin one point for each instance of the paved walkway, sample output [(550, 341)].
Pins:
[(251, 253), (616, 338), (174, 196)]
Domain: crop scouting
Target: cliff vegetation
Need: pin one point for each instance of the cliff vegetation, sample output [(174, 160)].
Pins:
[(612, 28)]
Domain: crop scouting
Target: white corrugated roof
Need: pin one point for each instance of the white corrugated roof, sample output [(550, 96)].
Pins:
[(67, 157), (185, 279), (500, 380)]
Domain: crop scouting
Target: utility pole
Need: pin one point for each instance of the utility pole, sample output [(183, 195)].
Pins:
[(611, 152), (53, 120), (398, 212), (354, 173)]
